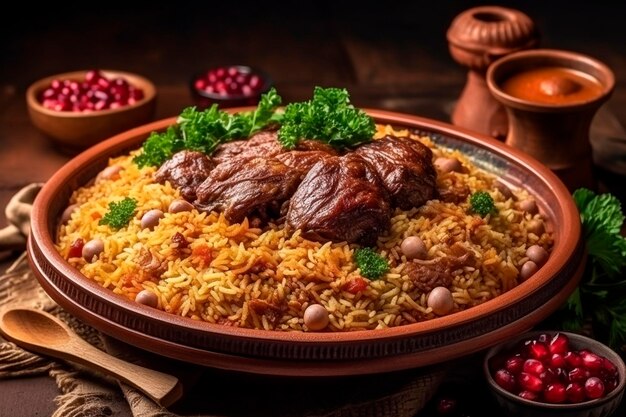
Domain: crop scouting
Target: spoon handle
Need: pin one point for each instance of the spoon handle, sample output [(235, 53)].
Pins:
[(162, 388)]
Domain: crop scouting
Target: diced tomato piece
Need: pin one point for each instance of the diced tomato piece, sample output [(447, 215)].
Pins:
[(76, 248), (204, 253), (355, 285)]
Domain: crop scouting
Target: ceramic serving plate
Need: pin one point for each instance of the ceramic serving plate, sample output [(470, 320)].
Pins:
[(319, 354)]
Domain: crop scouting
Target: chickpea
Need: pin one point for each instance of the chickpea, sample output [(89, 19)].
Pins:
[(537, 254), (178, 206), (535, 226), (151, 218), (92, 249), (316, 317), (67, 213), (445, 165), (440, 301), (148, 298), (528, 270), (529, 205), (109, 173), (413, 247), (504, 190)]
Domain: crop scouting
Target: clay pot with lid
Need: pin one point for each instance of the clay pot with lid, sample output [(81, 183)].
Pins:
[(550, 113), (476, 38)]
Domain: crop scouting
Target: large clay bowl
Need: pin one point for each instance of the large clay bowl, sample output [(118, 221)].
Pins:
[(319, 354)]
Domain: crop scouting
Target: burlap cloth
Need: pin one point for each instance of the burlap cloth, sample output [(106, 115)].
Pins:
[(208, 392)]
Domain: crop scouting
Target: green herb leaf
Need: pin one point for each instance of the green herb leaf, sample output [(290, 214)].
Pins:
[(370, 263), (482, 203), (203, 131), (328, 117), (602, 218), (598, 298), (120, 213)]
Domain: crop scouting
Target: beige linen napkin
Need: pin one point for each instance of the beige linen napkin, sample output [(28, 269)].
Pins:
[(208, 392)]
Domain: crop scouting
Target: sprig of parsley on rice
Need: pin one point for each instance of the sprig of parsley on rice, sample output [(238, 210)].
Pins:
[(328, 117), (119, 213), (370, 263)]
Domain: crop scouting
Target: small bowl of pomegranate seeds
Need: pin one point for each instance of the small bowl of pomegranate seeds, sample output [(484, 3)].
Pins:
[(229, 86), (554, 373), (78, 109)]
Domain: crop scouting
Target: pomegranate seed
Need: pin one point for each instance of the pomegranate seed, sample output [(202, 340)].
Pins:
[(533, 366), (548, 376), (514, 365), (594, 388), (537, 350), (246, 90), (93, 76), (505, 379), (95, 93), (556, 361), (530, 382), (578, 375), (254, 82), (200, 83), (575, 393), (555, 393), (528, 395), (592, 361), (220, 73), (572, 359), (446, 406), (559, 344)]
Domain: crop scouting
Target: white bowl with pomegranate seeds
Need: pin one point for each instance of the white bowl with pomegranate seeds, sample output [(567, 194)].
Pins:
[(229, 86), (78, 109), (554, 373)]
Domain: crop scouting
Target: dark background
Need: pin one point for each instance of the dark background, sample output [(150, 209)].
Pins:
[(391, 55)]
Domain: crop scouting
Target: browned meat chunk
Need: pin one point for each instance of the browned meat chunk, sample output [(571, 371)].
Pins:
[(186, 170), (341, 198), (405, 168), (437, 272), (303, 160), (253, 187), (263, 144)]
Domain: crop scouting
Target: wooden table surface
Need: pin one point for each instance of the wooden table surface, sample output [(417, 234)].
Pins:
[(392, 56)]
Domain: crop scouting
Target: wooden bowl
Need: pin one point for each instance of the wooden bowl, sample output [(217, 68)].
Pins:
[(319, 354), (75, 131)]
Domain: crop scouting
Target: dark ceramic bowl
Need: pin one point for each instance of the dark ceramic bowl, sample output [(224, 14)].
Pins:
[(203, 98), (76, 131), (516, 406), (320, 354)]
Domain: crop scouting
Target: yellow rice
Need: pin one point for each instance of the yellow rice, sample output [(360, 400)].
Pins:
[(226, 265)]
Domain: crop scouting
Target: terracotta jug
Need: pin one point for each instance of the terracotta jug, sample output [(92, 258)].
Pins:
[(476, 38), (551, 118)]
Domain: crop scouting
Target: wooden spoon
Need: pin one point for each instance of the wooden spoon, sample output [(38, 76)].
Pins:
[(42, 332)]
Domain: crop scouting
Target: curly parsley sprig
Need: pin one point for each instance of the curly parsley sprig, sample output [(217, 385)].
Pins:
[(204, 130), (328, 117), (119, 213)]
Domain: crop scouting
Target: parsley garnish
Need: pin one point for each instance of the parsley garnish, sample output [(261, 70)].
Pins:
[(204, 130), (370, 263), (120, 213), (482, 203), (329, 117), (600, 295)]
